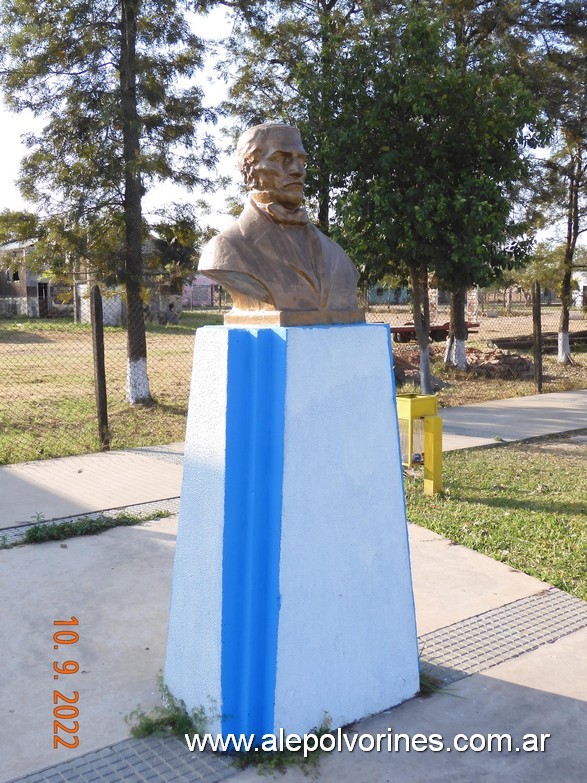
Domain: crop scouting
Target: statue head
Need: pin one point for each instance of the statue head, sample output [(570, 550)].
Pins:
[(272, 160)]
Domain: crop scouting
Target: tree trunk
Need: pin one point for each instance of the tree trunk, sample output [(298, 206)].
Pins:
[(575, 180), (421, 311), (324, 117), (455, 352), (137, 388), (537, 335), (323, 221), (564, 343)]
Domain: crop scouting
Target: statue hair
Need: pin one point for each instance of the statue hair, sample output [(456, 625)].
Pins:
[(251, 143)]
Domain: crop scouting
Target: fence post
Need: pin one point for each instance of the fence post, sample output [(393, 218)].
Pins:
[(99, 367), (537, 331)]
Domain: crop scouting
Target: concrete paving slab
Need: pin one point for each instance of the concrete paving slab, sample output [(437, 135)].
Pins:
[(83, 484), (541, 693), (465, 582), (88, 483), (513, 419), (117, 585)]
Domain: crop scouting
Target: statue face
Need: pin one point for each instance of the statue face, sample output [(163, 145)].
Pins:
[(280, 167)]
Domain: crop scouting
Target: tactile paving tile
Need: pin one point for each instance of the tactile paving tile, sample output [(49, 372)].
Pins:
[(451, 653), (485, 640), (148, 760)]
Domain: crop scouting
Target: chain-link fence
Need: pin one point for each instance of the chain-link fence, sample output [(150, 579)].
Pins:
[(47, 387), (500, 347)]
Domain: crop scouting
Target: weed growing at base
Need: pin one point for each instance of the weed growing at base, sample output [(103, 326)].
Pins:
[(86, 526), (269, 761), (522, 504), (171, 719)]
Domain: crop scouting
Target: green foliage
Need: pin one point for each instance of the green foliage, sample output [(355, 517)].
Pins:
[(63, 247), (269, 762), (178, 238), (415, 117), (288, 64), (18, 226), (438, 153), (114, 84), (546, 266), (429, 684), (86, 526), (62, 61), (563, 192), (172, 718), (169, 719)]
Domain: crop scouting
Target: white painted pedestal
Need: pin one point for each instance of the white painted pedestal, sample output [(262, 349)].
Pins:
[(292, 592)]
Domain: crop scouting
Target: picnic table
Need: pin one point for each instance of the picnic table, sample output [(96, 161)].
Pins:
[(438, 332)]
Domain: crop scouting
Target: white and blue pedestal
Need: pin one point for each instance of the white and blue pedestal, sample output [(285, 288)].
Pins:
[(292, 593)]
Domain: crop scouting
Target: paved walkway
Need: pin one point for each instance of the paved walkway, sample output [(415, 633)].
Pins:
[(513, 649), (73, 486), (520, 418)]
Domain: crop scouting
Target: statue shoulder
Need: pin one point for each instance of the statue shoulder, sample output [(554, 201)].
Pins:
[(222, 250)]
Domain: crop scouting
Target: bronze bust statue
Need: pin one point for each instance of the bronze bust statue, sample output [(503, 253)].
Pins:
[(278, 267)]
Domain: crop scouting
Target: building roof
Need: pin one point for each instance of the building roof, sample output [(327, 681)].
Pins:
[(17, 245)]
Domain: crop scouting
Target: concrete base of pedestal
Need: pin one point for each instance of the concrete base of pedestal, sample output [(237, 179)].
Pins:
[(292, 594)]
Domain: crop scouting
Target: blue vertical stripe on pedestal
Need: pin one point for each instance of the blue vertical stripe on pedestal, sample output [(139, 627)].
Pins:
[(252, 528)]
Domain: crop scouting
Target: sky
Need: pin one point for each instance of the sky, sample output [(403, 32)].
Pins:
[(215, 26), (13, 126)]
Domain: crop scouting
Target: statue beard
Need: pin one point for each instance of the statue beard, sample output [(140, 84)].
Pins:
[(287, 211), (287, 199)]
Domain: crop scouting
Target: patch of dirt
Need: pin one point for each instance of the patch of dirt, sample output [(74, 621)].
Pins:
[(492, 363), (497, 363), (406, 369)]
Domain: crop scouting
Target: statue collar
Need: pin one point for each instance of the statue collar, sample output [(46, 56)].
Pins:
[(281, 214)]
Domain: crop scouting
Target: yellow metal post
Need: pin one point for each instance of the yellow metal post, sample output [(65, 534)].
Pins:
[(432, 455), (409, 408)]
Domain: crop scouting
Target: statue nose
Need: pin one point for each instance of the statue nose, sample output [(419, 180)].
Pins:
[(297, 168)]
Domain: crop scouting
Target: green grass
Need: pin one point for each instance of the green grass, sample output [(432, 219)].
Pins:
[(86, 526), (523, 504), (170, 719), (47, 400), (190, 320)]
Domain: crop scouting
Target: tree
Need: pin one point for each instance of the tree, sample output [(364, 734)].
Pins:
[(18, 226), (436, 158), (565, 195), (286, 62), (415, 141), (547, 266), (561, 64), (490, 34), (108, 78), (177, 238)]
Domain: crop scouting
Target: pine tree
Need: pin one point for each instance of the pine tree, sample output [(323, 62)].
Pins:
[(108, 77)]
